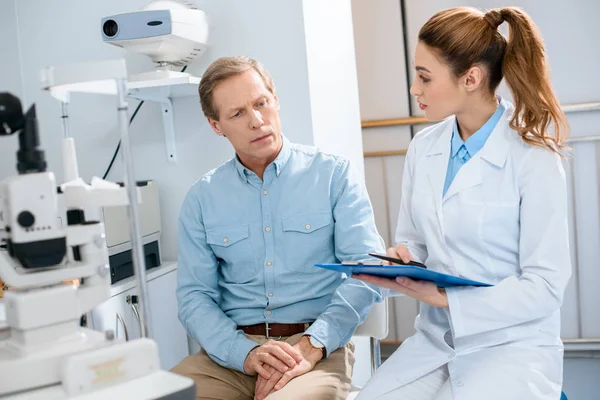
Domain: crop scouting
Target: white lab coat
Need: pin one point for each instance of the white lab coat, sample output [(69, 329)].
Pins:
[(503, 221)]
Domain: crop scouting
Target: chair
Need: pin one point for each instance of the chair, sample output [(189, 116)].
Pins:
[(376, 328)]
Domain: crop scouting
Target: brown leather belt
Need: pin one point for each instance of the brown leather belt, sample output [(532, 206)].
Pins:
[(275, 330)]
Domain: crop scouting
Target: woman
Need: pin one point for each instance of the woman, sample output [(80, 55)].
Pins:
[(484, 197)]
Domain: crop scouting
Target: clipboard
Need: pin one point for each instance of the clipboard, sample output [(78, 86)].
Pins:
[(409, 271)]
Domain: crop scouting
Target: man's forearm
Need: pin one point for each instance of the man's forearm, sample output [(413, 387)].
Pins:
[(348, 308), (216, 333)]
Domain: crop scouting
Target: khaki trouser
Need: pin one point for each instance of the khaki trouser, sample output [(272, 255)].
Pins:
[(329, 380)]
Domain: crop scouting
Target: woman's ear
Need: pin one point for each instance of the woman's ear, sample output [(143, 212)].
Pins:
[(473, 79)]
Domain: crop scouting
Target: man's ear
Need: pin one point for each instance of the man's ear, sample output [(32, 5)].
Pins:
[(473, 79), (276, 101), (215, 125)]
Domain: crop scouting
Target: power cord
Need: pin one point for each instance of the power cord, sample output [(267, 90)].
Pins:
[(112, 161), (119, 144)]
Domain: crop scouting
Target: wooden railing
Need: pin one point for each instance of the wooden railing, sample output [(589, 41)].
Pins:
[(414, 121)]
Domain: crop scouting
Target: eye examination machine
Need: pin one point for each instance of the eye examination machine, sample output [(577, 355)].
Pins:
[(59, 272), (44, 353), (171, 33)]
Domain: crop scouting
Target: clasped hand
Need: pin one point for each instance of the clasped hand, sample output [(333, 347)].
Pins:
[(276, 363)]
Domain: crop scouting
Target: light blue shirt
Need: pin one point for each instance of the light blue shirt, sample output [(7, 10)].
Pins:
[(461, 152), (247, 249)]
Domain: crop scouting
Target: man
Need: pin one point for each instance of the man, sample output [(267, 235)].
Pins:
[(270, 323)]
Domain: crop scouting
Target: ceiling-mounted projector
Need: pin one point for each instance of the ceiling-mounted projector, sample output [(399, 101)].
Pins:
[(169, 32)]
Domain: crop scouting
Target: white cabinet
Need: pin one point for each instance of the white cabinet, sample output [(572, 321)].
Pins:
[(166, 328), (119, 315)]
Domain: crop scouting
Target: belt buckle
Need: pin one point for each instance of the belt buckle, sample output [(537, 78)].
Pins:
[(267, 334)]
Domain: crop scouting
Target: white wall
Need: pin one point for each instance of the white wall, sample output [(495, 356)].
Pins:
[(384, 94), (580, 378), (383, 89), (332, 78), (570, 31), (10, 67), (10, 74)]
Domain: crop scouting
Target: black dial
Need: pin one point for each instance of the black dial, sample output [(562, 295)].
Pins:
[(26, 219)]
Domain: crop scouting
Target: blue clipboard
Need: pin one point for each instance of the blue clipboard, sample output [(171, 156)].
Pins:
[(410, 271)]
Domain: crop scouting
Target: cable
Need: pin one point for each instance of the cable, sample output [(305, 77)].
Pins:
[(407, 63), (119, 144)]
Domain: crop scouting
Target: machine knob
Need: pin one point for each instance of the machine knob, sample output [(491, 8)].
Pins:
[(26, 219)]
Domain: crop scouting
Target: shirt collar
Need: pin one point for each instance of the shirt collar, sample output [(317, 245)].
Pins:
[(476, 141), (279, 162), (456, 141), (283, 156)]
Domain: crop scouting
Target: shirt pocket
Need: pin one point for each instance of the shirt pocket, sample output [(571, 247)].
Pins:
[(501, 227), (496, 225), (308, 239), (233, 248)]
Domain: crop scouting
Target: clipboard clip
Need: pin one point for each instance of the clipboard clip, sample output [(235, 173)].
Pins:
[(398, 261)]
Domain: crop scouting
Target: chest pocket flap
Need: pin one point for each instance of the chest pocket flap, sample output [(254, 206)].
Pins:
[(307, 239), (307, 223), (225, 237), (232, 246)]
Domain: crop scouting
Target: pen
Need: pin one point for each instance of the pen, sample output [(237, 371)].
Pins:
[(398, 261)]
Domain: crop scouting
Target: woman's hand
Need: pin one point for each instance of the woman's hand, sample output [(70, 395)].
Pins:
[(424, 291), (401, 252)]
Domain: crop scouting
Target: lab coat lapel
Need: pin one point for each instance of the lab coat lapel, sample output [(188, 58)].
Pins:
[(494, 151), (467, 177), (496, 148), (437, 165)]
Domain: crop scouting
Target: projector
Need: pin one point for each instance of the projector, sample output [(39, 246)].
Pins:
[(169, 32)]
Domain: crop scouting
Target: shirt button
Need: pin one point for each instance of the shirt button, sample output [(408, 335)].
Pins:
[(269, 312), (225, 240), (265, 192), (307, 226), (270, 294), (268, 229), (269, 263)]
